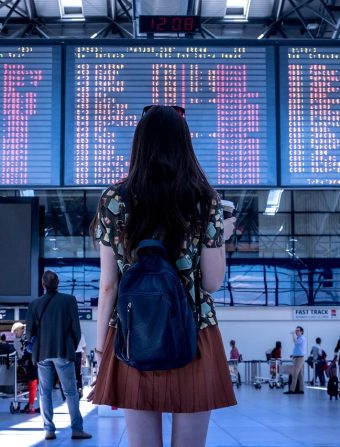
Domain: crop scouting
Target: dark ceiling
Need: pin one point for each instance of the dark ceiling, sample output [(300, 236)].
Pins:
[(227, 19)]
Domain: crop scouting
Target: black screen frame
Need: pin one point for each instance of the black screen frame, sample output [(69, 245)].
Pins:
[(33, 261), (56, 104), (283, 159)]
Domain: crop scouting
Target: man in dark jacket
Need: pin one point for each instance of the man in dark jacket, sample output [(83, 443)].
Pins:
[(53, 319)]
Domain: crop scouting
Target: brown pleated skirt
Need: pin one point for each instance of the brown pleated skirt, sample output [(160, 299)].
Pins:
[(202, 385)]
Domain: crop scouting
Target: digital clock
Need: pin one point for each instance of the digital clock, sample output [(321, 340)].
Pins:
[(169, 24)]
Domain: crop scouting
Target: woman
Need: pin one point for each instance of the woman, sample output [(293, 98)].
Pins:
[(235, 358), (25, 360), (276, 352), (169, 198), (234, 354)]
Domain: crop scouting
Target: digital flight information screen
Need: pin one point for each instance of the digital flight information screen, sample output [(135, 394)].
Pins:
[(310, 116), (30, 115), (228, 93)]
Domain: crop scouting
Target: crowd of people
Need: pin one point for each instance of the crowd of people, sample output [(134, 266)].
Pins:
[(317, 360)]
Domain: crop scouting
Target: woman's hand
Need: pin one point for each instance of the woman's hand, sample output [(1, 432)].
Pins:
[(89, 397), (229, 227), (99, 355)]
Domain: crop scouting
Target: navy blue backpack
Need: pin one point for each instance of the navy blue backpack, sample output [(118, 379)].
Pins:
[(156, 327)]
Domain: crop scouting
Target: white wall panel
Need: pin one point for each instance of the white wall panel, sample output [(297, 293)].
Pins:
[(158, 7), (213, 8), (260, 8), (47, 8), (94, 8)]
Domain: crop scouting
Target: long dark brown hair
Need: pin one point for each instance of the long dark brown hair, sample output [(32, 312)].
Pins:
[(165, 186)]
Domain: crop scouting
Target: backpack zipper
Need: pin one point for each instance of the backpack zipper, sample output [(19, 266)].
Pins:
[(128, 320)]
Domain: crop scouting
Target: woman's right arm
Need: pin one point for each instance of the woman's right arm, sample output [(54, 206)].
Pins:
[(212, 265), (213, 262), (108, 287)]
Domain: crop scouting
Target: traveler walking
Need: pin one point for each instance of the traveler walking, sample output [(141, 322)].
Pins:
[(53, 319)]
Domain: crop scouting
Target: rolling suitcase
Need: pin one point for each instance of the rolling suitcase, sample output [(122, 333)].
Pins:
[(333, 387)]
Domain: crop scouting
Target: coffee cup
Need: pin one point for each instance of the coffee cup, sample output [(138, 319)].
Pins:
[(228, 208)]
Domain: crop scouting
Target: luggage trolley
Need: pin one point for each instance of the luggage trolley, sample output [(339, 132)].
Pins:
[(20, 387), (275, 379), (285, 370), (260, 380), (234, 373), (13, 381), (7, 374)]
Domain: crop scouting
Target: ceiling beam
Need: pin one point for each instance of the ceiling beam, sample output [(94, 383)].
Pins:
[(126, 7), (102, 32), (191, 7), (4, 3), (41, 32), (110, 12), (330, 20), (277, 9), (8, 17), (208, 32), (125, 32), (298, 12), (336, 32), (31, 10), (18, 10), (278, 24)]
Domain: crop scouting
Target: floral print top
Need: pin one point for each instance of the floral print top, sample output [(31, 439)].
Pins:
[(112, 216)]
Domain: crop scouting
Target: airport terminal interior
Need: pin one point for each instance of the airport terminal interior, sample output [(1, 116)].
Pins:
[(260, 84)]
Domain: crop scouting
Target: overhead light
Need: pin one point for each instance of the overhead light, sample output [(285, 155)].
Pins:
[(273, 202), (237, 10), (71, 8), (26, 193), (312, 26)]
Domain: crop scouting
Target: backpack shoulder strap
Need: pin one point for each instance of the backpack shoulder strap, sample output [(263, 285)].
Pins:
[(152, 243)]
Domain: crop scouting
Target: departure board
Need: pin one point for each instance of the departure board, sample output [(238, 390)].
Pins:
[(310, 116), (30, 115), (228, 93)]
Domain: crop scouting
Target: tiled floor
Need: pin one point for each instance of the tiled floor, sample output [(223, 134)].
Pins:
[(262, 418)]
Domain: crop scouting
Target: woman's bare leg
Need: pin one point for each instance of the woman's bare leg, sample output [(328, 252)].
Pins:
[(144, 428), (189, 429)]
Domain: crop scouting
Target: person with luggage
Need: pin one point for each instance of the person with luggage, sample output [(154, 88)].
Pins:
[(25, 360), (336, 351), (165, 199), (319, 362), (333, 381), (297, 377), (274, 358), (234, 358), (276, 352), (331, 373), (234, 353)]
